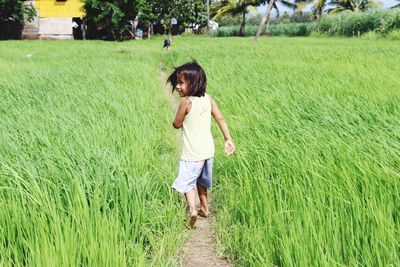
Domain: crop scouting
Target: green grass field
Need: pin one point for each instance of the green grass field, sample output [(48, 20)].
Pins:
[(88, 153)]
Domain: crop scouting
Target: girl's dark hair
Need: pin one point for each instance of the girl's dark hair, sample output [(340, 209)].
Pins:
[(193, 74)]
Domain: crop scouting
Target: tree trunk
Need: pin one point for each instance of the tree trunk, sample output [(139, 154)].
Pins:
[(264, 18), (83, 26), (242, 25), (208, 15), (267, 28), (319, 16), (133, 29), (113, 34), (149, 31)]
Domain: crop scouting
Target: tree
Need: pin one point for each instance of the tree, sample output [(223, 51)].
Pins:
[(266, 16), (396, 6), (264, 19), (146, 17), (12, 15), (234, 7), (184, 11), (318, 8), (111, 20), (190, 12), (242, 7), (351, 5), (297, 5)]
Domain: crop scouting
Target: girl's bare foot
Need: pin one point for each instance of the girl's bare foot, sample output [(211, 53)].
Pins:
[(203, 212), (192, 220)]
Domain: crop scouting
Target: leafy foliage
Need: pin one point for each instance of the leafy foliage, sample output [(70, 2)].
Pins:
[(114, 20), (12, 14), (111, 20), (318, 7), (397, 5), (233, 7), (351, 5), (381, 21), (282, 29), (185, 12), (297, 5), (190, 11), (220, 8)]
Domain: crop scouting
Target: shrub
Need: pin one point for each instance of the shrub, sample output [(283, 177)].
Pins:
[(188, 34), (110, 20), (12, 14), (371, 35), (394, 35), (350, 23), (289, 29), (318, 34)]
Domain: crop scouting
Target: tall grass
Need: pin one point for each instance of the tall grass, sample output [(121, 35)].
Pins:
[(88, 153), (316, 177), (87, 156)]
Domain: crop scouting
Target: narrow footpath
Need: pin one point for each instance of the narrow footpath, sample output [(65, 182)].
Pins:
[(200, 250)]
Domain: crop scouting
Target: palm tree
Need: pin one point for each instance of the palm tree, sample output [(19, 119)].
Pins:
[(234, 7), (318, 8), (396, 6), (297, 5), (264, 19), (352, 5)]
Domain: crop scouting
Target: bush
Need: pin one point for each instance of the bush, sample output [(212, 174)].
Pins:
[(302, 18), (289, 29), (188, 34), (12, 14), (371, 35), (226, 31), (234, 20), (394, 35), (350, 23), (292, 29), (318, 34)]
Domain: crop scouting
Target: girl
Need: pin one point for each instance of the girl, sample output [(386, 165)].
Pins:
[(194, 118)]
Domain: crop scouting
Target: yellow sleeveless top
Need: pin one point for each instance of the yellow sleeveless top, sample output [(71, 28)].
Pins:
[(197, 140)]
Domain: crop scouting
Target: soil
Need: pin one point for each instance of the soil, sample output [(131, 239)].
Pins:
[(200, 250)]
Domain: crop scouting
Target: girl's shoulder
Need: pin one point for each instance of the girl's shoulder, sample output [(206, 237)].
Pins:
[(187, 100), (200, 98), (209, 97)]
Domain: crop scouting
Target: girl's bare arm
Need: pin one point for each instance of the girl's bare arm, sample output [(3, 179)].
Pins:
[(183, 109), (219, 118)]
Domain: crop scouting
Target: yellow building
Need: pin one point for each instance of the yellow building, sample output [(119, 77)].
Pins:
[(55, 19)]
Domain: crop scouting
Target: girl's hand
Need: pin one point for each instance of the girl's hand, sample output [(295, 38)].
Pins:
[(229, 147)]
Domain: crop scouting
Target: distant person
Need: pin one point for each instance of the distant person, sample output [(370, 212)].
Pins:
[(167, 44), (194, 118)]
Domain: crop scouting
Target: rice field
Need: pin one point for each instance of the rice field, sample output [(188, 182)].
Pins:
[(88, 153)]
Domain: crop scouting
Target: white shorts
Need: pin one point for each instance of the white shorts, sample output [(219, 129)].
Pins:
[(193, 172)]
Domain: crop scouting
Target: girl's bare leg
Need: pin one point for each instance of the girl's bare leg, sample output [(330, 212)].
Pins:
[(202, 191), (191, 201)]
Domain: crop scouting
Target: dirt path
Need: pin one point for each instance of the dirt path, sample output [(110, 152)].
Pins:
[(200, 250)]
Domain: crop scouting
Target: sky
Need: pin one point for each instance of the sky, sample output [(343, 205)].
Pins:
[(261, 9)]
